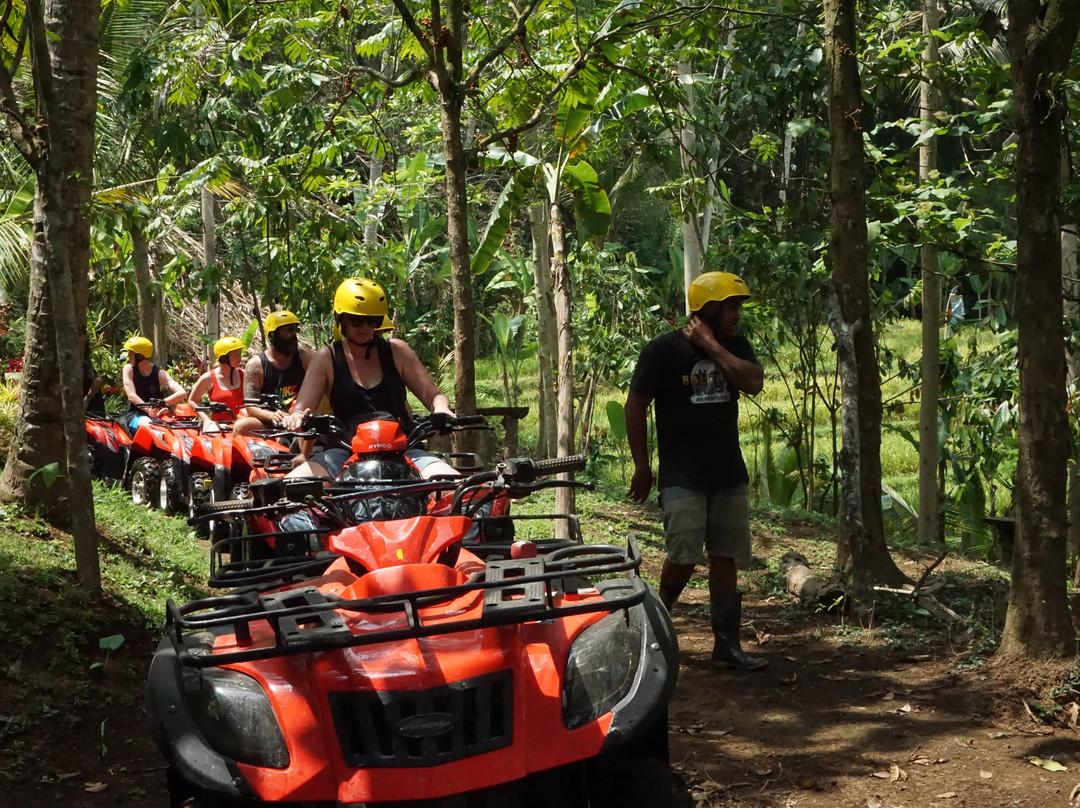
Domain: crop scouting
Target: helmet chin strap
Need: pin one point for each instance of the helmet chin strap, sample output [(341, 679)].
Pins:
[(369, 344)]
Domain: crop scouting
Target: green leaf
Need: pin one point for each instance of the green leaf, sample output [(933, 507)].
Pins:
[(501, 327), (800, 126), (616, 417), (111, 643), (50, 473), (511, 199), (1049, 765), (570, 121), (591, 202), (249, 333)]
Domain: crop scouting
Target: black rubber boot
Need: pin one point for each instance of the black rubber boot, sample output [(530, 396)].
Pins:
[(726, 614)]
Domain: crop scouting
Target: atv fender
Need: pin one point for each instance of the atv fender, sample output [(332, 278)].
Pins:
[(177, 735), (639, 720)]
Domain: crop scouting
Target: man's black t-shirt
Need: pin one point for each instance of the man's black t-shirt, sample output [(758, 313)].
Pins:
[(697, 412)]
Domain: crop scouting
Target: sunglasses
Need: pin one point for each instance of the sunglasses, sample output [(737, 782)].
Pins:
[(357, 320)]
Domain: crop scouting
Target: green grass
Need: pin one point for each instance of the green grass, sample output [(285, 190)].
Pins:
[(145, 558)]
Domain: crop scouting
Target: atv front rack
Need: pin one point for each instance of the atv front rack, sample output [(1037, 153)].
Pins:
[(304, 620), (297, 555)]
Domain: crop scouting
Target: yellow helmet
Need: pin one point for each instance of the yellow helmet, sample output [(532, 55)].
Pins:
[(226, 345), (364, 297), (141, 346), (277, 319), (717, 286)]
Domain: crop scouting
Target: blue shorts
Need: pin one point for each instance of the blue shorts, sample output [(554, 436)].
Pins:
[(333, 460), (719, 522), (132, 420)]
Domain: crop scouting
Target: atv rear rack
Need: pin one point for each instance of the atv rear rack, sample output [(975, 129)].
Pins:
[(305, 620)]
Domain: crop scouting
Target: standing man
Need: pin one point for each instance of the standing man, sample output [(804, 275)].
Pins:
[(695, 376), (280, 370)]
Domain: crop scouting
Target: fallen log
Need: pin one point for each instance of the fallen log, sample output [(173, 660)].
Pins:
[(807, 585)]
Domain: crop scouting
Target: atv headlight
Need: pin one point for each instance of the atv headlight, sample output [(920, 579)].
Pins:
[(235, 716), (601, 668), (260, 451)]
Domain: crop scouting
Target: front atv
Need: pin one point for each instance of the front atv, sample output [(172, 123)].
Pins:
[(400, 663)]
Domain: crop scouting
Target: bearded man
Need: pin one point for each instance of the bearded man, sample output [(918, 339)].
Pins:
[(279, 370)]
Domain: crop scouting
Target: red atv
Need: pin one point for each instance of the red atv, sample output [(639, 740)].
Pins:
[(379, 458), (107, 445), (222, 464), (401, 663), (159, 454)]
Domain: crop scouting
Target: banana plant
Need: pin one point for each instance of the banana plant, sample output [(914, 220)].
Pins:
[(578, 123)]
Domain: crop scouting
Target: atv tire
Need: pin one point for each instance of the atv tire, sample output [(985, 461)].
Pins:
[(145, 479), (198, 496), (171, 497), (219, 529)]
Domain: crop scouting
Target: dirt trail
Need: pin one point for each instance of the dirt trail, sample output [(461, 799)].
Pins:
[(831, 724)]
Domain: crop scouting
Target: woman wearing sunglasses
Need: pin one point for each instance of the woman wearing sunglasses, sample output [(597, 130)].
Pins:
[(365, 372)]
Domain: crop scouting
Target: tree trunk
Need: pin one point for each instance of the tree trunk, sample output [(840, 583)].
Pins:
[(144, 285), (564, 497), (691, 234), (929, 508), (161, 336), (39, 429), (850, 316), (1070, 245), (546, 334), (209, 241), (446, 78), (374, 212), (51, 427), (1037, 624)]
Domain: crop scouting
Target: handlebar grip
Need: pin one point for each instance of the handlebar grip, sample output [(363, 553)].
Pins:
[(559, 465), (225, 505), (468, 420)]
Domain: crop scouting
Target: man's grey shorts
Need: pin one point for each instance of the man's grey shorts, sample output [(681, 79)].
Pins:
[(719, 522)]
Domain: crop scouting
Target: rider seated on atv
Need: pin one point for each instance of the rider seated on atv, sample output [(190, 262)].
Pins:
[(224, 383), (144, 381), (279, 371), (362, 373)]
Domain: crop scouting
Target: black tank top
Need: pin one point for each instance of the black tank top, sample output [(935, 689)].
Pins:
[(349, 400), (146, 387), (286, 383)]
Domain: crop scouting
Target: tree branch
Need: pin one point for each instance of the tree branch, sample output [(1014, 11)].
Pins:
[(414, 28), (382, 78), (18, 128), (516, 32)]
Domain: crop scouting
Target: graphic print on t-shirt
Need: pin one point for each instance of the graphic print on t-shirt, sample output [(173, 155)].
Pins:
[(710, 386)]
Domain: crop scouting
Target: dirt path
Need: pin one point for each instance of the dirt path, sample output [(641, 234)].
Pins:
[(834, 724)]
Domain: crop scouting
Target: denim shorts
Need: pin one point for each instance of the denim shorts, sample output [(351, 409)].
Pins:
[(719, 522), (333, 460)]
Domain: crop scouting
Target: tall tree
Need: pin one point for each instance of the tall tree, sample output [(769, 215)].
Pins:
[(850, 314), (930, 103), (1041, 37), (57, 140)]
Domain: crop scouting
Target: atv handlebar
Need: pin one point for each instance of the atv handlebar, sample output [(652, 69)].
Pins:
[(559, 465), (216, 407), (267, 401)]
